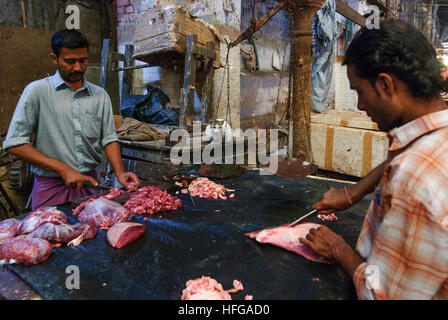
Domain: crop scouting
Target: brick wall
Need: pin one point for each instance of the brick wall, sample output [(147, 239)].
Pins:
[(126, 11)]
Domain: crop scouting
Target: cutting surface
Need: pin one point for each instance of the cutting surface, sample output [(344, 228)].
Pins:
[(191, 242)]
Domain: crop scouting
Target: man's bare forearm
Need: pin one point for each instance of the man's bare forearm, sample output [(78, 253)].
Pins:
[(367, 184), (113, 154), (36, 158)]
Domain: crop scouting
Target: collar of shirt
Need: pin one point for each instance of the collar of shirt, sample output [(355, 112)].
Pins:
[(60, 83), (407, 133)]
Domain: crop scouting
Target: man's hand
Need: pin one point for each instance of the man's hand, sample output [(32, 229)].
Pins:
[(325, 242), (75, 180), (332, 246), (333, 200), (129, 180)]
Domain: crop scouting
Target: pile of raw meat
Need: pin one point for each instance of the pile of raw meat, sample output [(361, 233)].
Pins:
[(205, 188), (31, 240), (206, 288), (152, 200), (328, 217), (288, 238)]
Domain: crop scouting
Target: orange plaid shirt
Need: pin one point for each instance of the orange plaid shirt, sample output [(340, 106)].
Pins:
[(404, 237)]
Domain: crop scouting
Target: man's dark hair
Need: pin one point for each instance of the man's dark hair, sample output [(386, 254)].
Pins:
[(68, 38), (397, 48)]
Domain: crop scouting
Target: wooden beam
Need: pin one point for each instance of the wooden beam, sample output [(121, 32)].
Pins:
[(379, 4), (345, 10)]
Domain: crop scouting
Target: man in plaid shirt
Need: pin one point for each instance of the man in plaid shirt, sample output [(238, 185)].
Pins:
[(402, 250)]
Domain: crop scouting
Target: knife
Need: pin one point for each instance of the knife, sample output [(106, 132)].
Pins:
[(301, 218), (99, 186)]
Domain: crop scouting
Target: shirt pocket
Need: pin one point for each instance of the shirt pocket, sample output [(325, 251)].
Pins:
[(91, 125)]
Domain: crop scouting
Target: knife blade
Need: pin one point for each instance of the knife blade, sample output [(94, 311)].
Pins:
[(99, 186), (301, 218)]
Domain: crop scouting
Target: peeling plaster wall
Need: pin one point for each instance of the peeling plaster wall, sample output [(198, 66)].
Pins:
[(225, 13), (265, 90)]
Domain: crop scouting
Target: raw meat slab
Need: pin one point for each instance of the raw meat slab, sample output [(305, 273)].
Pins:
[(288, 238)]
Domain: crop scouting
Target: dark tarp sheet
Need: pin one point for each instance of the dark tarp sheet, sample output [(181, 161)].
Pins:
[(188, 243)]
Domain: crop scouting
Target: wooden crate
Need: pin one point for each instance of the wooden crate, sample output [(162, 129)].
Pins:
[(349, 150), (161, 33)]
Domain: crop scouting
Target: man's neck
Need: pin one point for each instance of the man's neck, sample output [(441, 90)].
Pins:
[(75, 85), (419, 107)]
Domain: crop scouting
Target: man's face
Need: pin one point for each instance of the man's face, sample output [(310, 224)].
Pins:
[(374, 101), (72, 63)]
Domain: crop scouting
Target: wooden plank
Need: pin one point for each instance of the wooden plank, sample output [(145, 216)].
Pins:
[(25, 58), (164, 30), (189, 80), (345, 10)]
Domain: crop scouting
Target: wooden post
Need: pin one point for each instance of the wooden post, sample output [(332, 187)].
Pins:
[(189, 80), (301, 58), (126, 88)]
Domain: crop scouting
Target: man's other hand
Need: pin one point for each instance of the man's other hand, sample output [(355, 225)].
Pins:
[(129, 180)]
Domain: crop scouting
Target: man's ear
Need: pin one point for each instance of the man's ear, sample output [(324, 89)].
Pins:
[(54, 58), (386, 84)]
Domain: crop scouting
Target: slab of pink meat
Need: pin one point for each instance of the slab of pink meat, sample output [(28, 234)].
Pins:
[(288, 238), (64, 233), (152, 200), (103, 213), (8, 228), (206, 288), (23, 250), (115, 192), (123, 233), (205, 188), (40, 216)]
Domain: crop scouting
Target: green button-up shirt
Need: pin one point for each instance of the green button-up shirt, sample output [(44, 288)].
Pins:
[(73, 127)]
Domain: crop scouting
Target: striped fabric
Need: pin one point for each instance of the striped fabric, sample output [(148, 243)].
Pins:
[(50, 191), (404, 237)]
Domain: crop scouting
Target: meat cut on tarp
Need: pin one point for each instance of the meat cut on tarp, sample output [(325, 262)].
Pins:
[(115, 192), (288, 238), (206, 288), (40, 216), (103, 213), (123, 233), (8, 228), (64, 233), (24, 251)]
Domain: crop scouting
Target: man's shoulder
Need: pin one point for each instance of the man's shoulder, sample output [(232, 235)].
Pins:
[(95, 89), (40, 84)]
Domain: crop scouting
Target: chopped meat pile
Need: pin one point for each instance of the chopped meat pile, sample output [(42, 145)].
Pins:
[(64, 233), (288, 238), (103, 213), (206, 288), (328, 217), (8, 228), (123, 233), (40, 216), (205, 188), (26, 251), (115, 192), (151, 200)]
